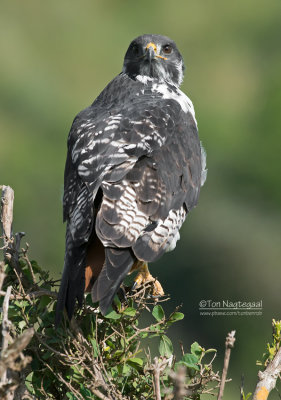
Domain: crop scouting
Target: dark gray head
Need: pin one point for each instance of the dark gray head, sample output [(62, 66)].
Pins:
[(154, 56)]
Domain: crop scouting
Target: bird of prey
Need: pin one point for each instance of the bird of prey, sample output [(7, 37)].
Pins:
[(133, 172)]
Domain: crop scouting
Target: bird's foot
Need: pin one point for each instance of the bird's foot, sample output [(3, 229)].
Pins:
[(144, 276)]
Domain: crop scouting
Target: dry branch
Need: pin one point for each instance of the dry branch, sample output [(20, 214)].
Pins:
[(11, 244), (11, 358), (5, 330), (179, 379), (267, 378), (10, 354), (158, 367), (2, 275), (32, 295), (7, 202), (229, 344)]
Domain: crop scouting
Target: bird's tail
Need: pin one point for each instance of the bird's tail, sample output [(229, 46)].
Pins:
[(118, 263), (73, 280)]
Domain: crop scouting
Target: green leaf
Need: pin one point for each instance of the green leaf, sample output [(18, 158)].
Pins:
[(246, 397), (130, 311), (135, 361), (143, 334), (71, 396), (21, 325), (36, 268), (165, 346), (13, 312), (123, 343), (190, 358), (113, 315), (158, 313), (21, 303), (44, 301), (84, 391), (190, 361), (77, 373), (118, 353), (190, 366), (28, 382), (95, 347), (126, 370), (156, 328), (210, 351), (114, 372), (176, 316), (196, 349)]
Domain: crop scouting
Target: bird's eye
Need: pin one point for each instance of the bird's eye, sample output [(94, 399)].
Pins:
[(167, 49)]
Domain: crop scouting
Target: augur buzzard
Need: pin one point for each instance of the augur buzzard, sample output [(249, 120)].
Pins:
[(134, 170)]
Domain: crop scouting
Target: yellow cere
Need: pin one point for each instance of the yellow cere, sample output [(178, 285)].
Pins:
[(153, 45)]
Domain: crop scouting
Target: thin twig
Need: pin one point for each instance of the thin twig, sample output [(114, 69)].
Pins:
[(32, 295), (212, 360), (149, 329), (67, 384), (43, 342), (229, 344), (5, 327), (25, 257), (19, 277), (2, 276), (156, 378)]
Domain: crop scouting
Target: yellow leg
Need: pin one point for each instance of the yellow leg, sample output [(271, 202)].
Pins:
[(145, 276)]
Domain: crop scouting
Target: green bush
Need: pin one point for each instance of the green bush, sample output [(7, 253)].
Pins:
[(95, 356)]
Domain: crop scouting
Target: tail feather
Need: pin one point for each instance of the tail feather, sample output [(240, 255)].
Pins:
[(73, 280), (118, 263)]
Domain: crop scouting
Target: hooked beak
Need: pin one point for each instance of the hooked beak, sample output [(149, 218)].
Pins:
[(151, 52)]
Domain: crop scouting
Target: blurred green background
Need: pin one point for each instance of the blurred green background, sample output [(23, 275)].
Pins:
[(56, 57)]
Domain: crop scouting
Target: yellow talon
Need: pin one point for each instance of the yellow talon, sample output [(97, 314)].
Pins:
[(145, 276)]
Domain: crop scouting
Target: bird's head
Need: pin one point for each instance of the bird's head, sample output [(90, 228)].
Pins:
[(154, 56)]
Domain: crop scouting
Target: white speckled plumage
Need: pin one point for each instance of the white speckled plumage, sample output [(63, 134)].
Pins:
[(133, 172)]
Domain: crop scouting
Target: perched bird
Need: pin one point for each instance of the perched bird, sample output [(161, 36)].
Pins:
[(133, 172)]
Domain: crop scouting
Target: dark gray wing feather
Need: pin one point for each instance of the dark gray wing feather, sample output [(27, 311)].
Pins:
[(141, 149)]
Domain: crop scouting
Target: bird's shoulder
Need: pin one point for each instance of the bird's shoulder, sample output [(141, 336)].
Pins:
[(131, 100)]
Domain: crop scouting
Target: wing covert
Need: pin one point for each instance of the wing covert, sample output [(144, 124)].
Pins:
[(104, 145)]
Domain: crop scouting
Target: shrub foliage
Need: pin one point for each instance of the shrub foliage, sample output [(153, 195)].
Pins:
[(95, 356)]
